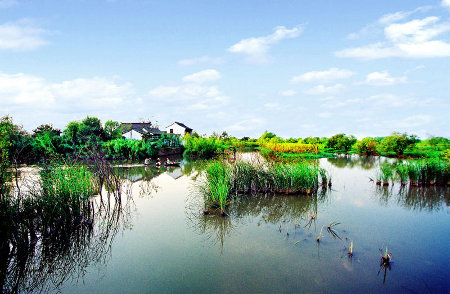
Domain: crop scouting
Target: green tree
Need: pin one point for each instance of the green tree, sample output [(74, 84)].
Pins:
[(266, 136), (367, 146), (70, 133), (341, 142), (46, 128), (112, 130), (6, 128), (91, 130), (397, 143)]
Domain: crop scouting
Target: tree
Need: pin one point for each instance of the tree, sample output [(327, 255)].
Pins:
[(266, 136), (397, 143), (367, 146), (112, 130), (91, 129), (70, 133), (341, 142), (44, 128), (6, 127)]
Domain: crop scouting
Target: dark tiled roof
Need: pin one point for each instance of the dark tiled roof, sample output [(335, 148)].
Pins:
[(182, 125), (142, 128)]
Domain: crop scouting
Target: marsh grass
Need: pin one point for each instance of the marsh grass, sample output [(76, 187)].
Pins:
[(224, 179), (386, 173), (431, 171)]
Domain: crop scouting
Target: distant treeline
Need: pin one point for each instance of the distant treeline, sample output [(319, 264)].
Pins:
[(77, 140), (397, 144)]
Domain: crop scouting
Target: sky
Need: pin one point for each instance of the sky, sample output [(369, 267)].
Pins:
[(296, 68)]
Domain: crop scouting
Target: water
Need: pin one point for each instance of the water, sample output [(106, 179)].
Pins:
[(157, 240)]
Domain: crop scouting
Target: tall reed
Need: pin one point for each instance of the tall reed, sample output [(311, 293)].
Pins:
[(223, 179), (65, 190)]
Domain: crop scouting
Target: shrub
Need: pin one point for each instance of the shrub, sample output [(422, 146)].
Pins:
[(341, 142), (367, 146)]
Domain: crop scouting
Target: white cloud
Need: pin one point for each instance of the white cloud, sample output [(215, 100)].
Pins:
[(246, 125), (445, 3), (413, 39), (393, 100), (376, 27), (208, 75), (323, 76), (163, 91), (7, 3), (92, 93), (288, 93), (21, 35), (192, 94), (273, 106), (383, 79), (413, 121), (256, 48), (324, 90), (201, 60), (31, 92), (325, 114)]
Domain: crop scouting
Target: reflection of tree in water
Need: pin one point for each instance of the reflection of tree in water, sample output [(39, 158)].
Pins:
[(140, 173), (350, 161), (36, 261), (429, 198), (271, 209)]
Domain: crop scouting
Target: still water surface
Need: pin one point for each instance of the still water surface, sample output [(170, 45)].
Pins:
[(157, 240)]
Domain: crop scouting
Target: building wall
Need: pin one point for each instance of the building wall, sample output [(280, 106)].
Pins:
[(177, 130), (132, 135)]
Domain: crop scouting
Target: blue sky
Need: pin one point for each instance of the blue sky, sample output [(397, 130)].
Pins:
[(297, 68)]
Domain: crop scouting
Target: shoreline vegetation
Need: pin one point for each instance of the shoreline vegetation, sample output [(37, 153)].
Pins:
[(80, 138)]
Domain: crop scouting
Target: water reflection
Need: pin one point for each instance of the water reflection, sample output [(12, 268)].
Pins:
[(32, 260), (351, 161), (430, 198), (267, 209)]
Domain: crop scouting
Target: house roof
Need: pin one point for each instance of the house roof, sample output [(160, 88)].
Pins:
[(181, 125), (142, 128)]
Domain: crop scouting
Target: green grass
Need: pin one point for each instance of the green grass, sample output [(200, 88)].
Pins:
[(223, 180), (429, 171), (65, 190)]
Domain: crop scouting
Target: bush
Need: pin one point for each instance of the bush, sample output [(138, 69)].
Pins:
[(367, 146), (129, 149), (341, 142), (396, 143), (203, 147)]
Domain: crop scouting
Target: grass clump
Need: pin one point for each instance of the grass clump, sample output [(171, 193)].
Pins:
[(216, 187), (386, 173), (65, 190), (430, 171), (223, 179)]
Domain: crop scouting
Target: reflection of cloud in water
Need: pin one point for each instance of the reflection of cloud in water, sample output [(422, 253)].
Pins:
[(357, 202), (267, 209)]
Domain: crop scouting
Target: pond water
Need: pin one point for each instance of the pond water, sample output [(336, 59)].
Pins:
[(158, 241)]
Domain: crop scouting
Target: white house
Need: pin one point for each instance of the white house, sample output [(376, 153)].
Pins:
[(178, 128), (135, 131)]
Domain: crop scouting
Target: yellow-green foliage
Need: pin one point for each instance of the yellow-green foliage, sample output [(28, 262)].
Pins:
[(292, 147)]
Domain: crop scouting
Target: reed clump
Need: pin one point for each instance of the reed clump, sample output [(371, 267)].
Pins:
[(224, 179), (427, 172), (65, 190), (424, 172)]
